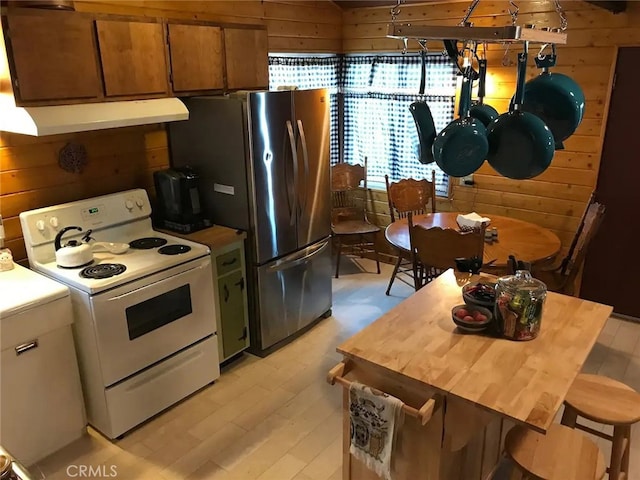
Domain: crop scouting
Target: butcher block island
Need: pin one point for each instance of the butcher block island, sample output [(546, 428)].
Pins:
[(462, 391)]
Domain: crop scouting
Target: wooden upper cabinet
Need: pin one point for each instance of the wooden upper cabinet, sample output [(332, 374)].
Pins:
[(246, 54), (133, 58), (53, 56), (196, 57)]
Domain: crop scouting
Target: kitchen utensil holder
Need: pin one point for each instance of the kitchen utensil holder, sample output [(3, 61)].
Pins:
[(424, 414)]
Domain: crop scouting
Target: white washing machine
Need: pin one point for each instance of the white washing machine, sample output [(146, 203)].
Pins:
[(41, 405)]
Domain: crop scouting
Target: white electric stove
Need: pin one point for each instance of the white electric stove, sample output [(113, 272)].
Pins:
[(144, 320)]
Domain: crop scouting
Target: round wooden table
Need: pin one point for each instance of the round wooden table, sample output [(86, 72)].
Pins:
[(526, 241)]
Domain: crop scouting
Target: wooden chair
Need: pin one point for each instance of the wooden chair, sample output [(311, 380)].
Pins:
[(561, 454), (604, 400), (437, 248), (349, 222), (404, 197), (561, 278)]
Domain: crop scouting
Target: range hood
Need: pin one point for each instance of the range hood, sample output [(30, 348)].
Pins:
[(55, 119)]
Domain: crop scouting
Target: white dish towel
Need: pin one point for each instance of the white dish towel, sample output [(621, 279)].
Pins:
[(375, 417), (472, 220)]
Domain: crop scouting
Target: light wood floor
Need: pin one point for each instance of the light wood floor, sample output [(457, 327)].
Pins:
[(276, 418)]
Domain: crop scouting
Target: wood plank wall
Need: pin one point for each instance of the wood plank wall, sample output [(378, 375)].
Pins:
[(125, 158), (555, 199)]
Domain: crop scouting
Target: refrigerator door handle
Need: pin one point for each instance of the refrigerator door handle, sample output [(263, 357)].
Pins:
[(305, 158), (298, 257), (294, 155)]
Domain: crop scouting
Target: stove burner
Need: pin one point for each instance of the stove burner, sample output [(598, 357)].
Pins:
[(103, 270), (147, 243), (174, 249)]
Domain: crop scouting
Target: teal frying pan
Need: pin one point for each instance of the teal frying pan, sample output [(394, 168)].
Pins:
[(556, 98), (520, 144), (426, 130), (424, 120), (461, 147), (483, 112)]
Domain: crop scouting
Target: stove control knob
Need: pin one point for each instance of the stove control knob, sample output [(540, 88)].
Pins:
[(139, 202), (53, 221), (129, 205), (40, 225)]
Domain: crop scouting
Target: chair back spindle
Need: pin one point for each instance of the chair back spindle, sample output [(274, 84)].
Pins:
[(592, 221), (570, 254)]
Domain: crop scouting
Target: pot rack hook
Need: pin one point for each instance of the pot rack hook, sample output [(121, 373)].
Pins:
[(514, 19), (405, 41), (423, 44), (541, 54)]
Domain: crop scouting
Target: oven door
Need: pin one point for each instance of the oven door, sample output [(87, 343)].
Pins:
[(141, 323)]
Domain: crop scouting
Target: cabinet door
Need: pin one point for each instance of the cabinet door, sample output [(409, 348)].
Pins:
[(196, 57), (53, 55), (232, 313), (246, 56), (133, 57)]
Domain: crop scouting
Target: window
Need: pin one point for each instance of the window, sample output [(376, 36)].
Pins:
[(375, 93), (378, 125), (311, 72)]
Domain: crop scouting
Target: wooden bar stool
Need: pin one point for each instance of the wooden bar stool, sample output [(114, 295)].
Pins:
[(604, 400), (561, 454)]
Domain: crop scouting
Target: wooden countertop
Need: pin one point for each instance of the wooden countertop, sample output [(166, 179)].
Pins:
[(523, 381), (215, 237)]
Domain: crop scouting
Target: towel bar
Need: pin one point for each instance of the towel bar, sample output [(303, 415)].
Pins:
[(424, 414)]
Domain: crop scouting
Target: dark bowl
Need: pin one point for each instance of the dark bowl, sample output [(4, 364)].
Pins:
[(486, 299), (471, 326)]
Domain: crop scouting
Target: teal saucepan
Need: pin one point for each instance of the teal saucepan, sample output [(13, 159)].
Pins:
[(556, 98), (520, 144), (480, 110), (461, 147)]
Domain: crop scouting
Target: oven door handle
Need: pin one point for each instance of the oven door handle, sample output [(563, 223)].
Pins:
[(131, 292)]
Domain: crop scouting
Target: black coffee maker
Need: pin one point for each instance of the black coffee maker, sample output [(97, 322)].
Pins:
[(178, 200)]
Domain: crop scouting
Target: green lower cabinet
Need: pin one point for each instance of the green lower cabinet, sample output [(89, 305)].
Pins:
[(232, 313)]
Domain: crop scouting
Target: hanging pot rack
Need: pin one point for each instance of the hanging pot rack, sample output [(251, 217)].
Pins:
[(506, 34), (465, 31)]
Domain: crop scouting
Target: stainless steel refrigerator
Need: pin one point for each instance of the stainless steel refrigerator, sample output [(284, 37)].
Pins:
[(263, 158)]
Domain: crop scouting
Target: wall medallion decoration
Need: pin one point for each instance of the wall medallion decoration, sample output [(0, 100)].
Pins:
[(73, 157)]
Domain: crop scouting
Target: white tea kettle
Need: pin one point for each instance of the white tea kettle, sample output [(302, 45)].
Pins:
[(73, 254)]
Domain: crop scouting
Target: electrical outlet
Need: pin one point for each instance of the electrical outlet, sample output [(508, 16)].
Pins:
[(467, 181)]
